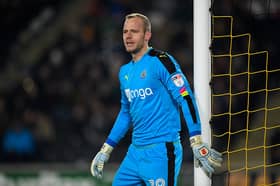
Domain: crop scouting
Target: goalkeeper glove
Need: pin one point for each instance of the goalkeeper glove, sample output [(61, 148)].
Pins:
[(100, 158), (206, 158)]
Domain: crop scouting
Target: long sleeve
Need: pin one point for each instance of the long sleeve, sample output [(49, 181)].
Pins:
[(123, 121), (179, 88)]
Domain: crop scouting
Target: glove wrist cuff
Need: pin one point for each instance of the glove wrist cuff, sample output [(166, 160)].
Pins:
[(106, 148), (195, 140)]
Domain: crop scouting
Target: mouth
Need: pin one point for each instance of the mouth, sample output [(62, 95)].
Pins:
[(129, 44)]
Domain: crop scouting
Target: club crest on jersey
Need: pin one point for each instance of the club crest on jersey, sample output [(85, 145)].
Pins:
[(178, 80), (143, 74)]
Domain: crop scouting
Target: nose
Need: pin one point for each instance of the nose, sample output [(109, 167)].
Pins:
[(128, 35)]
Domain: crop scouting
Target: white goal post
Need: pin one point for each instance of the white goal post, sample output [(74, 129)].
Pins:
[(202, 74)]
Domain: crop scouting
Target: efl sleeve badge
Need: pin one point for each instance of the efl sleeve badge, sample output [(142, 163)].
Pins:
[(178, 80)]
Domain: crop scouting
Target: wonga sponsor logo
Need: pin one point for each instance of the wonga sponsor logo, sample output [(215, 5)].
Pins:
[(138, 93)]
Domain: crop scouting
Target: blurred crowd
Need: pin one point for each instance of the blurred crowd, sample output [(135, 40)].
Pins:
[(60, 106)]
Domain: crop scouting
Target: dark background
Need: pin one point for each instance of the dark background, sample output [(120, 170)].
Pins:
[(59, 62)]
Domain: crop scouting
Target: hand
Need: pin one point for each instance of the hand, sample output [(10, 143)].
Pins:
[(100, 158), (205, 157)]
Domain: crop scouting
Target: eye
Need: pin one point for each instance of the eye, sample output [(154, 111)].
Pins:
[(134, 31)]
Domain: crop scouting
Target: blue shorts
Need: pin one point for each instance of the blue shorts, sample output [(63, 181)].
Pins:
[(153, 165)]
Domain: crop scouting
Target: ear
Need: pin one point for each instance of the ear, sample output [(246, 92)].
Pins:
[(148, 36)]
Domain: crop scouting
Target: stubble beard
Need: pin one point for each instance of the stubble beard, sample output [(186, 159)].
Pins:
[(136, 49)]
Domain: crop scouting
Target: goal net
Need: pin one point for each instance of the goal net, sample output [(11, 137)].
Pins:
[(245, 108)]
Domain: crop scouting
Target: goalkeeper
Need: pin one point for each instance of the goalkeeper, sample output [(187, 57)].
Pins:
[(153, 89)]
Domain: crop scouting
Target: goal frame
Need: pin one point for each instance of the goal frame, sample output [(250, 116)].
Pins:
[(202, 75)]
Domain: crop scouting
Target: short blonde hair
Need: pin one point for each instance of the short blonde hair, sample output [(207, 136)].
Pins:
[(145, 19)]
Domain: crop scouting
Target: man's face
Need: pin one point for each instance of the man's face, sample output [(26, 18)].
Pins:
[(134, 36)]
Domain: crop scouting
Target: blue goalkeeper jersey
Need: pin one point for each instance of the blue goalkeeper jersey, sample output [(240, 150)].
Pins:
[(153, 90)]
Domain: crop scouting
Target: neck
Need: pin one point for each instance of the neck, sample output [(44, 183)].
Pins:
[(138, 55)]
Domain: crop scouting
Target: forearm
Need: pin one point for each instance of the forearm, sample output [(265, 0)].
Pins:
[(120, 128), (194, 128)]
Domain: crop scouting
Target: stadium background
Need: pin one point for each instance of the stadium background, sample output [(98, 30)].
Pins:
[(58, 76)]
